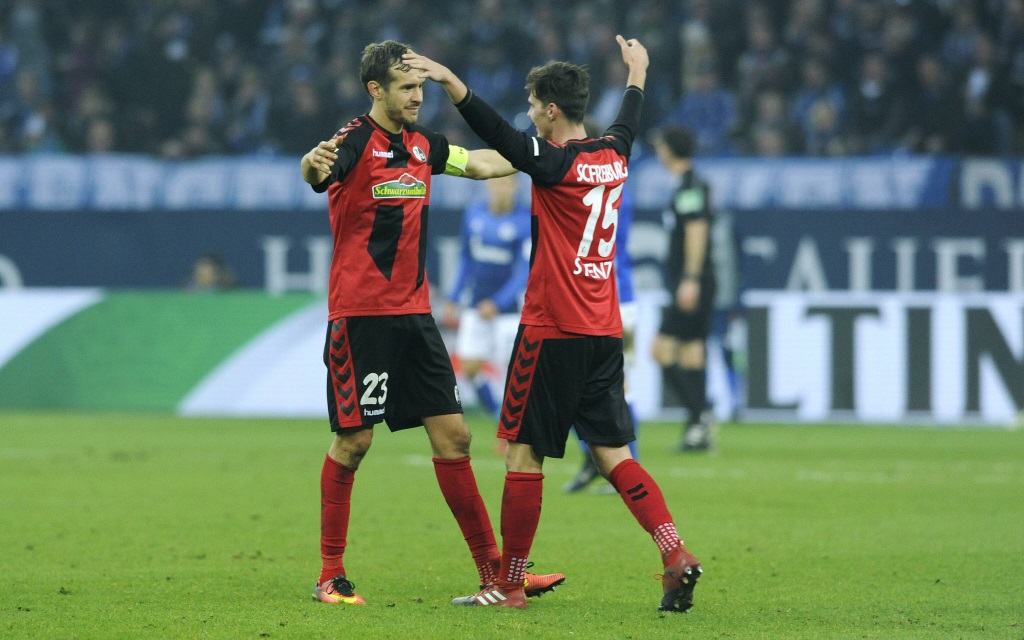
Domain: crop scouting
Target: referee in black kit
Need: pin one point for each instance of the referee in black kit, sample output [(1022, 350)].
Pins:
[(681, 344)]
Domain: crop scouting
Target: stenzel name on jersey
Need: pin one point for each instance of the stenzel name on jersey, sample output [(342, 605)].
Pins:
[(601, 173), (596, 270)]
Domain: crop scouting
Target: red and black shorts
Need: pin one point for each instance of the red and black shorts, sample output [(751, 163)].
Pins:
[(557, 380), (394, 369)]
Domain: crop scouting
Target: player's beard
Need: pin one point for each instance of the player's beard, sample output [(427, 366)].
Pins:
[(398, 113)]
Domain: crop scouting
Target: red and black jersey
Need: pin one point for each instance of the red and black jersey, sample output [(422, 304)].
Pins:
[(577, 188), (379, 195)]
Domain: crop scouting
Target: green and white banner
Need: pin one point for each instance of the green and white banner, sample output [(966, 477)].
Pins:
[(862, 357), (235, 353)]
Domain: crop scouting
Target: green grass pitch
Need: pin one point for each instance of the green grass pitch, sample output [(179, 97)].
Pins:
[(150, 526)]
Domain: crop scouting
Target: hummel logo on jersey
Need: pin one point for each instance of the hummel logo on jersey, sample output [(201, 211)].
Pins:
[(383, 154), (405, 187)]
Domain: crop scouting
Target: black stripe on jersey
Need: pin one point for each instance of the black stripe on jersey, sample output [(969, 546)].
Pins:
[(383, 244), (533, 238), (421, 269), (400, 155)]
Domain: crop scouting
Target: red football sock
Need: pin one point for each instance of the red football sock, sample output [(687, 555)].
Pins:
[(458, 486), (645, 501), (335, 505), (520, 515)]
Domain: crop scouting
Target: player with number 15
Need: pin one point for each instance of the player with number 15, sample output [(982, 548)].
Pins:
[(567, 367)]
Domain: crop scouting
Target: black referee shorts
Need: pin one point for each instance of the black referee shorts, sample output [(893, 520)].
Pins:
[(692, 325)]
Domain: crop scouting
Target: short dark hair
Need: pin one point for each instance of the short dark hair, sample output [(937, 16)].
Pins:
[(378, 59), (565, 84), (678, 140)]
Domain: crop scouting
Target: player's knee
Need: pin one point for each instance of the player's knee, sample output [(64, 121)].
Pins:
[(459, 442), (454, 443), (349, 448)]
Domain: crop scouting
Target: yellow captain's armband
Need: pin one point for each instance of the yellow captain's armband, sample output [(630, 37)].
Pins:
[(458, 158)]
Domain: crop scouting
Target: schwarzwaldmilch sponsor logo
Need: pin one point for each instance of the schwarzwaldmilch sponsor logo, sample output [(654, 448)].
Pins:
[(405, 187)]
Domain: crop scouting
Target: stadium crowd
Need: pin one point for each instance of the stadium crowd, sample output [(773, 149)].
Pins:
[(186, 78)]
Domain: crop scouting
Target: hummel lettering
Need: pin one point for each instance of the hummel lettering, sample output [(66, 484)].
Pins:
[(373, 412), (383, 154)]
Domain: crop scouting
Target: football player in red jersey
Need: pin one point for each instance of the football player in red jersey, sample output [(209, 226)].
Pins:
[(385, 357), (568, 365)]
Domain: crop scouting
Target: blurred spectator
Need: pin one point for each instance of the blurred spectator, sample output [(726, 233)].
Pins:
[(709, 112), (984, 127), (764, 65), (933, 104), (842, 22), (210, 274), (900, 43), (656, 24), (78, 62), (869, 25), (804, 17), (697, 42), (185, 77), (605, 105), (39, 133), (961, 39), (877, 111), (100, 136), (1011, 54), (33, 117), (9, 60), (7, 145), (494, 78), (770, 133), (93, 104), (248, 113), (770, 142), (300, 122), (26, 31), (816, 85), (824, 135)]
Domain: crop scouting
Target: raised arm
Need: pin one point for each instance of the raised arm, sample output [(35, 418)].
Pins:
[(635, 56), (487, 163), (433, 70), (484, 120)]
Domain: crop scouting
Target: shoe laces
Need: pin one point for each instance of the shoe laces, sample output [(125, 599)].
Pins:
[(340, 584)]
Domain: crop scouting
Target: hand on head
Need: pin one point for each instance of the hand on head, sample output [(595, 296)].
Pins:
[(431, 70)]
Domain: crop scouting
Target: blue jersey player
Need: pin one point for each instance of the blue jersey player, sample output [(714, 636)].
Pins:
[(491, 279)]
